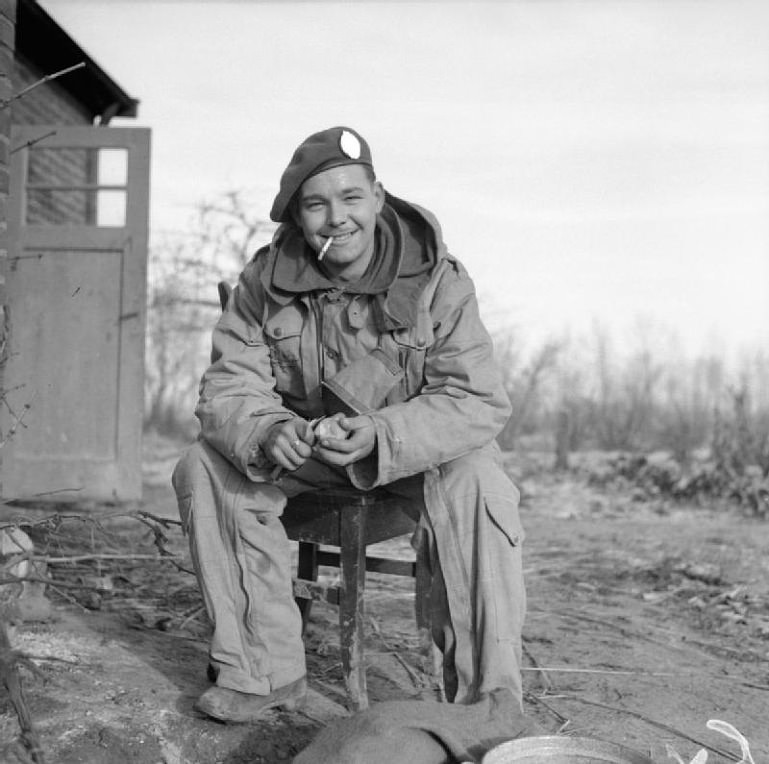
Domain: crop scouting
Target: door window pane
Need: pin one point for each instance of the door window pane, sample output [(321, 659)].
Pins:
[(110, 208), (113, 167), (79, 186)]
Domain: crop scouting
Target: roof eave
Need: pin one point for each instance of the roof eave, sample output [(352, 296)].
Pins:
[(49, 48)]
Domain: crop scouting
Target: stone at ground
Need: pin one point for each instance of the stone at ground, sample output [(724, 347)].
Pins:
[(26, 600)]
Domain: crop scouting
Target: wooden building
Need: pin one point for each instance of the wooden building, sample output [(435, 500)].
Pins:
[(75, 281)]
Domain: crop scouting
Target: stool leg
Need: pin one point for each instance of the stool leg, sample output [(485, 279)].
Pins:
[(351, 607), (307, 569), (423, 582), (430, 655)]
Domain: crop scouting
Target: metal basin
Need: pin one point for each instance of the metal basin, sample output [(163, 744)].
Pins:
[(558, 749)]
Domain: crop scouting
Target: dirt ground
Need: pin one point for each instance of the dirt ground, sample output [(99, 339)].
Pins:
[(645, 621)]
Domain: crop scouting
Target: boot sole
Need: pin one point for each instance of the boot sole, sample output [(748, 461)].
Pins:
[(285, 704), (290, 704)]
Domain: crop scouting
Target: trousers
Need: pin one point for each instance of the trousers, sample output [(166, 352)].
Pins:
[(467, 510)]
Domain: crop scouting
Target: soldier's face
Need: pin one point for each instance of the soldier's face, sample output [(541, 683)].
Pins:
[(341, 203)]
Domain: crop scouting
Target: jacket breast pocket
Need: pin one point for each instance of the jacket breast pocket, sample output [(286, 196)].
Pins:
[(411, 345), (283, 333)]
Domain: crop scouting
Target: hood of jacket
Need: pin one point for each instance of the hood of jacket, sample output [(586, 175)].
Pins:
[(409, 244)]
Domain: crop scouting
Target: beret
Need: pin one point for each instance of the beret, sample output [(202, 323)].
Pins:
[(329, 148)]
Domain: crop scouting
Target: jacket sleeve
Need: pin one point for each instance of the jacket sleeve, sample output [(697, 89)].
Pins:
[(238, 403), (462, 404)]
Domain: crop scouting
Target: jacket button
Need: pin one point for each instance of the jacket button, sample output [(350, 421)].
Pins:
[(278, 331), (421, 342)]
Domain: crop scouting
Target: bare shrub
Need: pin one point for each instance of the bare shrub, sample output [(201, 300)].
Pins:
[(685, 429), (525, 382), (690, 394), (740, 451), (622, 406), (183, 305)]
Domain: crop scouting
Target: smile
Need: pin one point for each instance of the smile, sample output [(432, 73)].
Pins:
[(342, 238)]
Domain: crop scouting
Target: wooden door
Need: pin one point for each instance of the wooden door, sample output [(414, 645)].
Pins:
[(76, 293)]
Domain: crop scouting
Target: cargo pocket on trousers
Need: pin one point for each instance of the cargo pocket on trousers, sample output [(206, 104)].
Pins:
[(505, 568), (182, 485), (503, 512), (185, 512)]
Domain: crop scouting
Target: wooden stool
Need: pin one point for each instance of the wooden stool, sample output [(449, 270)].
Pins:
[(350, 519)]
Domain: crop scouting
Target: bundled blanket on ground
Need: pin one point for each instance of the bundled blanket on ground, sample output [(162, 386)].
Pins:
[(421, 732)]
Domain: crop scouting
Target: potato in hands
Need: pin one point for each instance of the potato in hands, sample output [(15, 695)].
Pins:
[(328, 427)]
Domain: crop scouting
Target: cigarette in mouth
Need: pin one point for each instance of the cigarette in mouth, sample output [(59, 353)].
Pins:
[(323, 251)]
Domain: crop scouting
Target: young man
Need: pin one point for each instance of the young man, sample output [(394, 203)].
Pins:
[(356, 306)]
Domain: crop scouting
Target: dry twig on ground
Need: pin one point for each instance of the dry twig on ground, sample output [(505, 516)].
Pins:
[(10, 660), (653, 723), (415, 678), (547, 685)]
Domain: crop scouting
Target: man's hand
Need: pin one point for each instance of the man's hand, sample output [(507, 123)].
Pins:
[(289, 444), (359, 443)]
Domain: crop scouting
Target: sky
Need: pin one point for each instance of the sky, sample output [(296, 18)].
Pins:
[(592, 162)]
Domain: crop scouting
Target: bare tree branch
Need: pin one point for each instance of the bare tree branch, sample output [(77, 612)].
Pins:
[(48, 77), (29, 143)]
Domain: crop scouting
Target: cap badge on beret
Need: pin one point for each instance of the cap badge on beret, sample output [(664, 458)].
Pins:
[(349, 145)]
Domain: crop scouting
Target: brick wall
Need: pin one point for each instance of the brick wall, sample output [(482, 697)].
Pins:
[(7, 33)]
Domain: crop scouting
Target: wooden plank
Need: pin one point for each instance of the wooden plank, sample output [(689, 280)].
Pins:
[(307, 569), (82, 136), (319, 530), (373, 564), (352, 607), (315, 520), (74, 187), (391, 567), (51, 240)]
